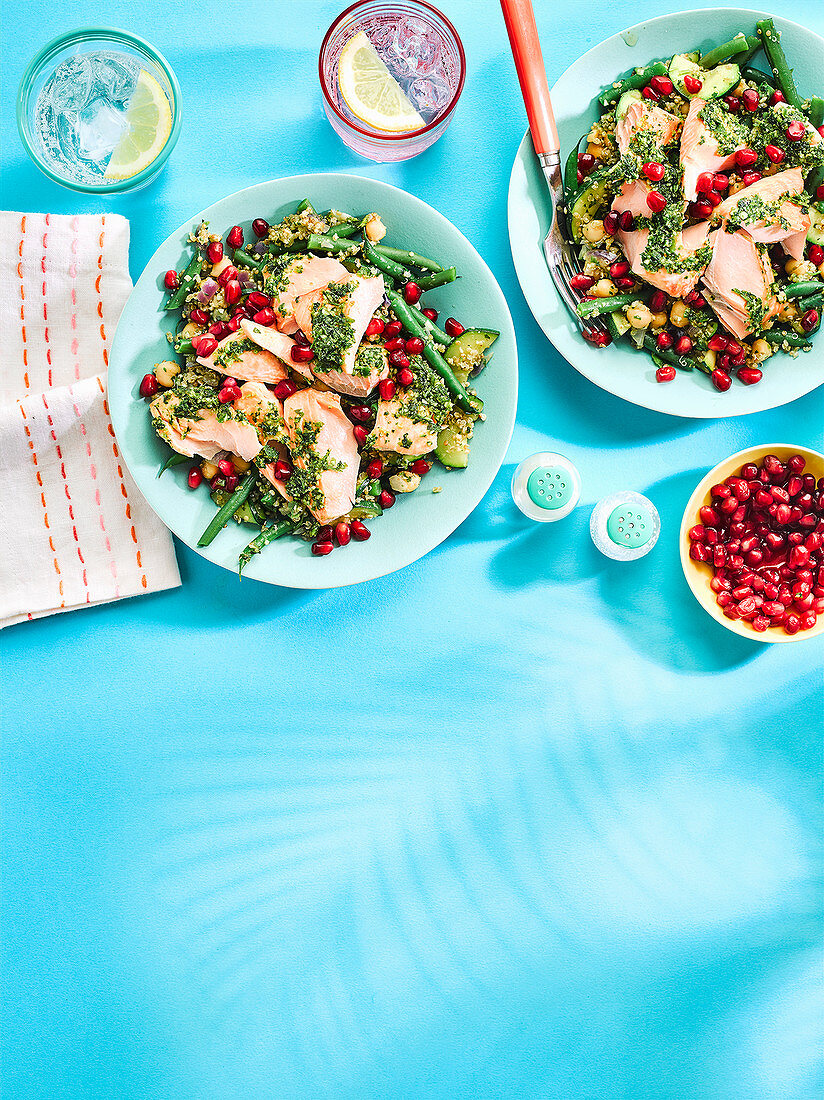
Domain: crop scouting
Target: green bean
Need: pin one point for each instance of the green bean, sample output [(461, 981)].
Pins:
[(666, 355), (345, 229), (409, 319), (322, 242), (239, 256), (229, 508), (736, 45), (778, 62), (174, 459), (816, 112), (637, 79), (304, 204), (596, 306), (571, 171), (267, 534), (802, 290), (187, 281), (815, 302), (757, 76), (406, 258), (437, 278), (437, 334), (779, 336), (184, 347), (753, 46), (383, 263)]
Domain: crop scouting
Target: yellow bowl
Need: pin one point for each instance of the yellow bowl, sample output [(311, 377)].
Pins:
[(699, 574)]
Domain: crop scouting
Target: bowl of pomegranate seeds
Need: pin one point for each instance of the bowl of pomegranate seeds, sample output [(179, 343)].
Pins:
[(752, 543)]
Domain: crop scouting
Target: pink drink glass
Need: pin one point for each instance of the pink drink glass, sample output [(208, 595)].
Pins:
[(381, 20)]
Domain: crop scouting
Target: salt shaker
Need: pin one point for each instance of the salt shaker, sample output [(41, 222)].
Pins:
[(625, 525), (546, 487)]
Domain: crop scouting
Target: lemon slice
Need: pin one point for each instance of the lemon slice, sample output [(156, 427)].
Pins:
[(371, 92), (149, 120)]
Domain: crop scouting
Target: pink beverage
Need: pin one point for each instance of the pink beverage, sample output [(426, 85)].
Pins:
[(422, 51)]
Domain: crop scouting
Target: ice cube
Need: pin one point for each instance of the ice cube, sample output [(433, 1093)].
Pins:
[(71, 85), (416, 46), (99, 128), (115, 76), (430, 93)]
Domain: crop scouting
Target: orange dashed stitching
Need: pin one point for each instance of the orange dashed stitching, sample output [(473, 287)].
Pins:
[(65, 479)]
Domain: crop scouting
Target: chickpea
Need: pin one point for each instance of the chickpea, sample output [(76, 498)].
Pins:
[(220, 266), (374, 228), (761, 350), (594, 231), (190, 330), (208, 469), (165, 372), (788, 312), (604, 288), (404, 481), (659, 319), (638, 315), (790, 266), (735, 185), (679, 314), (240, 464)]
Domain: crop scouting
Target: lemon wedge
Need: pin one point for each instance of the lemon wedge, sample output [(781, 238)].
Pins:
[(371, 92), (149, 121)]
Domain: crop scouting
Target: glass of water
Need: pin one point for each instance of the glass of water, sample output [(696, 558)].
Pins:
[(423, 53), (99, 111)]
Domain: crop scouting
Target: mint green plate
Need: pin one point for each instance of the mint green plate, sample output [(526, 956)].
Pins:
[(619, 369), (419, 520)]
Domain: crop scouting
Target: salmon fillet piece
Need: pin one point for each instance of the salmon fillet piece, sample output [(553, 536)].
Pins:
[(358, 306), (397, 432), (769, 188), (248, 361), (205, 436), (276, 343), (738, 265), (303, 275), (699, 150), (646, 117), (311, 411), (262, 409), (786, 220)]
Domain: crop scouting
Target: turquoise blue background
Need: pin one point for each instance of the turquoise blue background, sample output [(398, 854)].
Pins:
[(515, 822)]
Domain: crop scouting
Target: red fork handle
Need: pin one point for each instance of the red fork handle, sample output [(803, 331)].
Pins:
[(529, 64)]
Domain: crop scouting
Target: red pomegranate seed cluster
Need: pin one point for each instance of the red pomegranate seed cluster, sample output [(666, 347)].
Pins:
[(763, 537)]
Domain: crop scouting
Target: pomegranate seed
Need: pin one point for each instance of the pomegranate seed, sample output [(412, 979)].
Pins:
[(230, 483), (775, 154), (258, 300), (265, 317), (205, 346), (227, 274), (749, 178), (693, 84), (699, 552), (215, 252), (228, 394), (721, 380), (414, 345), (714, 199), (611, 222), (709, 516), (232, 291), (375, 468), (796, 463), (171, 280), (683, 345), (809, 320), (733, 104), (218, 330), (452, 327), (283, 470), (420, 467), (626, 220), (300, 354), (412, 293), (405, 376), (750, 99), (360, 413), (618, 269), (723, 599), (791, 623), (777, 97), (586, 162), (705, 182), (599, 339), (386, 499), (718, 342), (226, 466), (199, 316), (195, 477), (648, 92), (657, 301), (324, 533), (626, 282), (819, 192), (663, 340), (815, 254), (745, 158), (700, 210), (656, 202), (342, 533), (720, 182), (665, 374), (796, 130), (662, 85), (399, 358), (359, 530), (397, 343), (432, 314), (360, 433), (393, 329), (260, 227), (387, 387), (721, 491), (285, 388), (821, 130), (779, 493), (654, 170), (375, 327), (234, 238), (321, 549), (148, 386)]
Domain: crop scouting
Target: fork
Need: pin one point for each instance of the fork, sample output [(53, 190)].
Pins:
[(561, 258)]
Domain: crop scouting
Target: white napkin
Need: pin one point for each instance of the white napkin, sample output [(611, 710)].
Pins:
[(74, 529)]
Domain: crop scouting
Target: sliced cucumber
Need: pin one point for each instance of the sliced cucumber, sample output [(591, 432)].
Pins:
[(588, 202), (453, 448), (815, 234), (626, 101), (715, 82), (620, 322), (467, 352)]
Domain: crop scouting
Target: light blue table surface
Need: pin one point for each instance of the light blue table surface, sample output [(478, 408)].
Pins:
[(515, 822)]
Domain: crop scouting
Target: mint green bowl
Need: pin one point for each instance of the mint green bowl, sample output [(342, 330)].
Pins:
[(420, 520), (619, 369)]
